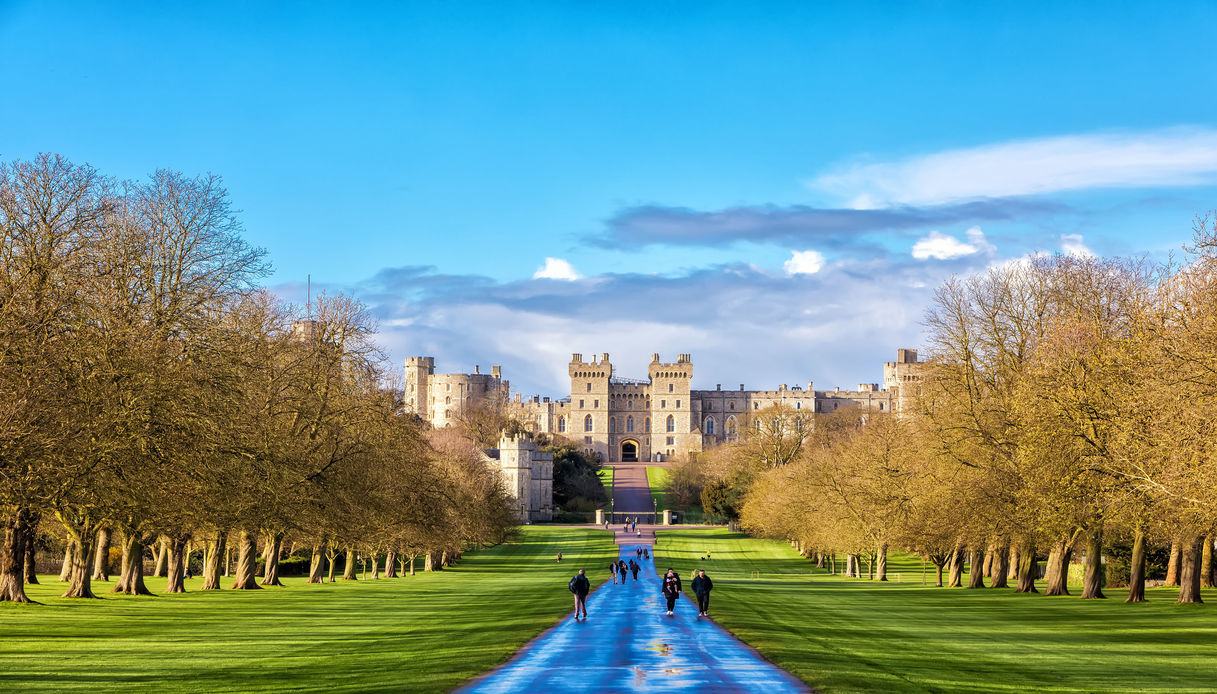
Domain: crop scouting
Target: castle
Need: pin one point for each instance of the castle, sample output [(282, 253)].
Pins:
[(527, 474), (627, 420)]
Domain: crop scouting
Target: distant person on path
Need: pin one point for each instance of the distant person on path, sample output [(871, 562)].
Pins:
[(613, 570), (622, 569), (580, 587), (702, 585), (646, 553), (634, 567), (671, 589)]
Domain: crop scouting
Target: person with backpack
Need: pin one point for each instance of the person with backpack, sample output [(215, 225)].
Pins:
[(579, 586), (702, 585), (613, 570), (622, 569), (671, 589), (634, 567)]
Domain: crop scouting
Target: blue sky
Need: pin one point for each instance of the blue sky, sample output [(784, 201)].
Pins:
[(730, 180)]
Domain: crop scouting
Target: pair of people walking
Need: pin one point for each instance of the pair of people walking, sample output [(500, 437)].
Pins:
[(702, 585)]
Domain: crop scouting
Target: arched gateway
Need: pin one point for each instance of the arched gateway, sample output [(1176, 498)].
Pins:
[(629, 451)]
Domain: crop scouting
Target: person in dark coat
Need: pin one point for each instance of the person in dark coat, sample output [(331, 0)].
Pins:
[(613, 570), (579, 586), (702, 585), (634, 567), (671, 589), (622, 569)]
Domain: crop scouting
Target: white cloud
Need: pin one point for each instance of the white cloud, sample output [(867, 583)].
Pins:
[(556, 269), (804, 263), (940, 246), (1072, 244), (1168, 157)]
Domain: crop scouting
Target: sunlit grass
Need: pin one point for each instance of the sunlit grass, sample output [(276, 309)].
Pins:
[(427, 632), (842, 634)]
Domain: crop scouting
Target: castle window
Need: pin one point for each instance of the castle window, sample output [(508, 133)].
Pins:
[(648, 424), (612, 425), (595, 403), (589, 387), (448, 387), (671, 442), (708, 427), (756, 405), (671, 423), (798, 406), (880, 407), (670, 387), (629, 424), (448, 401), (580, 404), (588, 440), (730, 427), (678, 404), (731, 405), (561, 424), (663, 404), (587, 423)]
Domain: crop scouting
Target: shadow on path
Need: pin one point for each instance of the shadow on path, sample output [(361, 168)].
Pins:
[(628, 644)]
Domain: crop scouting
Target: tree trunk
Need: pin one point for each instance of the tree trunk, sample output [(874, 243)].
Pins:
[(1092, 575), (412, 558), (80, 578), (989, 560), (350, 565), (1026, 570), (227, 558), (956, 579), (374, 561), (101, 560), (1189, 570), (13, 557), (1056, 575), (215, 557), (391, 564), (131, 578), (998, 565), (31, 549), (870, 566), (247, 563), (331, 556), (881, 569), (1206, 563), (976, 559), (175, 573), (65, 569), (1136, 572), (316, 565), (938, 568), (1172, 564), (1012, 564), (274, 544), (832, 564), (162, 553), (432, 561)]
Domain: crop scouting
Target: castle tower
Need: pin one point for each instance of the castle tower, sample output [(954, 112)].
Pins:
[(589, 407), (903, 376), (673, 431), (417, 390)]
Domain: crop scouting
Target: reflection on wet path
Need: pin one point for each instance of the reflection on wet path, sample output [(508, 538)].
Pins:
[(629, 644)]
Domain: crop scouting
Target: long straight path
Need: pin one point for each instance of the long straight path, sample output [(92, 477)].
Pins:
[(631, 489), (628, 644)]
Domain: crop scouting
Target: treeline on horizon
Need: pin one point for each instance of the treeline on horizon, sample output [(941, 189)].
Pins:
[(151, 393), (1065, 411)]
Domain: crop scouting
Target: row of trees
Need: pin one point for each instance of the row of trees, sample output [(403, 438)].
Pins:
[(1065, 411), (149, 389)]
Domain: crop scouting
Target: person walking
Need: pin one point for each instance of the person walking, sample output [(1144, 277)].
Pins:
[(634, 567), (622, 569), (579, 586), (613, 570), (702, 585), (671, 589)]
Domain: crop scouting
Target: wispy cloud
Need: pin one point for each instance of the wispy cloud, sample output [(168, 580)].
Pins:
[(1169, 157), (827, 228), (939, 246), (1073, 244)]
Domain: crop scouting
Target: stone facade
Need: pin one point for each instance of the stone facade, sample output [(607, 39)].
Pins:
[(660, 418), (527, 474)]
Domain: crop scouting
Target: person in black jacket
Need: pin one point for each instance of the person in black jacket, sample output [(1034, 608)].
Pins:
[(634, 567), (580, 587), (702, 585), (671, 589), (622, 570)]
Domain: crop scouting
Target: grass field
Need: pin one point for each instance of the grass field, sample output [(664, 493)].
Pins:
[(842, 634), (426, 632), (606, 478), (658, 478)]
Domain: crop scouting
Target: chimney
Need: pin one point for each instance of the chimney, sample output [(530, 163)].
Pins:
[(477, 369), (718, 386), (741, 387), (604, 358)]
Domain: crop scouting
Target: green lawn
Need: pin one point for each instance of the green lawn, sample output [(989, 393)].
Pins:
[(606, 478), (427, 632), (658, 478), (842, 634)]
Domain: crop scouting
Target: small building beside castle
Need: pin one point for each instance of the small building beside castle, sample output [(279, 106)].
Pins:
[(661, 417), (527, 474)]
